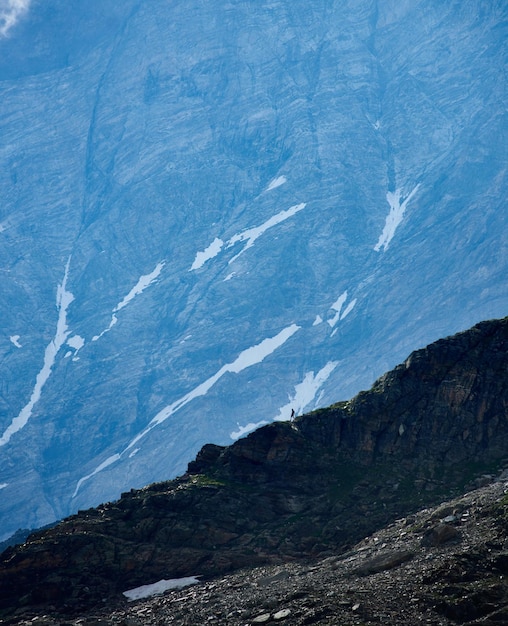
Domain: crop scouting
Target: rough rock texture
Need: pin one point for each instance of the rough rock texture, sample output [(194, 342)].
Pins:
[(288, 491), (391, 577)]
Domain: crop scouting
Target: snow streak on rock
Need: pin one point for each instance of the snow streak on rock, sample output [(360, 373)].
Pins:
[(348, 309), (340, 312), (305, 393), (251, 356), (109, 461), (250, 235), (138, 288), (276, 182), (209, 253), (10, 12), (337, 307), (15, 340), (63, 299), (394, 217), (247, 358)]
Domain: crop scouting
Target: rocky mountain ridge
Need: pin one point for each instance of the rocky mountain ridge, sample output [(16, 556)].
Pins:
[(308, 489)]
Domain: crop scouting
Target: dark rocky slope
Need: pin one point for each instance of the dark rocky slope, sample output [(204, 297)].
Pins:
[(442, 566), (288, 491)]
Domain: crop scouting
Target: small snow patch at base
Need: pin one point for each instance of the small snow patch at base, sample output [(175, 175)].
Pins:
[(155, 589)]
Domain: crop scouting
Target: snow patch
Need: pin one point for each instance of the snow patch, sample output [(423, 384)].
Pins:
[(155, 589), (10, 13), (248, 236), (144, 282), (3, 485), (394, 217), (140, 286), (208, 253), (305, 392), (276, 182), (109, 461), (251, 234), (340, 314), (348, 309), (337, 307), (15, 340), (114, 320), (76, 342), (304, 395), (63, 300), (318, 320)]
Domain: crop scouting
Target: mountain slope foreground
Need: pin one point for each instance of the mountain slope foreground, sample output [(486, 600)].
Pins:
[(311, 488), (395, 576)]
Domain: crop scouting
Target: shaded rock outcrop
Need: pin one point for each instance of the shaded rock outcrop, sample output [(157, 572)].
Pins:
[(310, 488)]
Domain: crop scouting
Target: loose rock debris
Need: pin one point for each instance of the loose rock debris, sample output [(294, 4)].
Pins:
[(397, 576)]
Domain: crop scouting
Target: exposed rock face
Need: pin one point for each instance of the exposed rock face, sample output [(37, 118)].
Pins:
[(309, 488), (445, 404)]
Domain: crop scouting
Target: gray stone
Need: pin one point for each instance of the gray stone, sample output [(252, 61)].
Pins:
[(440, 534), (383, 562), (282, 614), (261, 619)]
